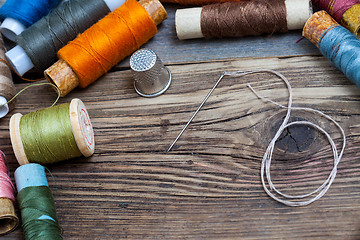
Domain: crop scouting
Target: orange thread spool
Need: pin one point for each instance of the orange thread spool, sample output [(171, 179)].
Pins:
[(102, 46)]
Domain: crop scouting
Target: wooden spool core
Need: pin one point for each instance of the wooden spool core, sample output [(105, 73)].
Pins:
[(317, 25), (81, 128), (62, 75), (8, 219)]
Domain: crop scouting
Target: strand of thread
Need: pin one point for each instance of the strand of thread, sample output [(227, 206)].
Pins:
[(107, 42), (244, 18), (7, 87), (27, 12), (336, 8), (42, 40), (47, 135), (6, 185), (38, 214), (268, 185)]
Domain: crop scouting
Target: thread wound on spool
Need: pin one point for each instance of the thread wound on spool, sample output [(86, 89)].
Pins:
[(101, 47), (42, 40), (245, 18), (7, 87), (336, 8), (351, 19), (27, 12), (38, 213), (336, 43), (8, 218), (53, 134)]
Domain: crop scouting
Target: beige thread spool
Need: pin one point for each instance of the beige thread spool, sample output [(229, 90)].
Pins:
[(81, 128)]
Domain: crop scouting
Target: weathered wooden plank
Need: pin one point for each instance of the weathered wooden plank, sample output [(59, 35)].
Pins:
[(209, 186)]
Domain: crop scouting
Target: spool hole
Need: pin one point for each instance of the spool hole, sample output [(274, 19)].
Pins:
[(7, 224)]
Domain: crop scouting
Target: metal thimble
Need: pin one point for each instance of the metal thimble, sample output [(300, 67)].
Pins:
[(151, 77)]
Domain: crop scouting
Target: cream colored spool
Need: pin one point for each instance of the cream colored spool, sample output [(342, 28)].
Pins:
[(188, 21), (8, 219), (81, 128)]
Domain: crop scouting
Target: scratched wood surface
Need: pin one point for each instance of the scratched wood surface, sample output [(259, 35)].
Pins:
[(208, 186)]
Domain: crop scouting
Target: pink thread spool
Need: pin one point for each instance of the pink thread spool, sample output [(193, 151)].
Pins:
[(8, 219)]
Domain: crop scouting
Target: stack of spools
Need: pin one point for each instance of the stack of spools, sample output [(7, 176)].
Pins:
[(64, 131), (335, 42)]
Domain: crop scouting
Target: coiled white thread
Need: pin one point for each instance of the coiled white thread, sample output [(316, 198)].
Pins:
[(290, 200)]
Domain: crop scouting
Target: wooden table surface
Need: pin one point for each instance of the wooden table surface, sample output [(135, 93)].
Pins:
[(208, 186)]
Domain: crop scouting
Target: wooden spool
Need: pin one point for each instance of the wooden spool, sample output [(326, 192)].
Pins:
[(62, 75), (317, 25), (81, 128)]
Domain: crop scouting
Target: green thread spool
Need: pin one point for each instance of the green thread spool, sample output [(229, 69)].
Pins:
[(36, 202), (52, 134)]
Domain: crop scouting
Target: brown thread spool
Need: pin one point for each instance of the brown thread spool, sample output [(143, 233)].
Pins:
[(244, 18), (63, 76), (7, 87)]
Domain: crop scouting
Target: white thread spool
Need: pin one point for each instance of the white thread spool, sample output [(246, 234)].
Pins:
[(188, 21), (81, 128), (20, 61)]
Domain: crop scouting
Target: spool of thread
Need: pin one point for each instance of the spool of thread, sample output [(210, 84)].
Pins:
[(197, 2), (38, 213), (244, 18), (52, 134), (346, 12), (102, 46), (7, 87), (17, 15), (336, 43), (8, 219), (38, 45)]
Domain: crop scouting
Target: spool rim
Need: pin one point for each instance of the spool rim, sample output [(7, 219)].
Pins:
[(8, 219), (15, 137), (11, 222), (82, 127)]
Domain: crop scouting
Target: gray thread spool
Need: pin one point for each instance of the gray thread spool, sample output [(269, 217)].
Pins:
[(151, 77)]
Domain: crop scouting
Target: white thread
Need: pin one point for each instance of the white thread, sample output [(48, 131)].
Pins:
[(266, 161)]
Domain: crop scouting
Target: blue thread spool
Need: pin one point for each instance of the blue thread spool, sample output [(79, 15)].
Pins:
[(20, 14), (335, 42)]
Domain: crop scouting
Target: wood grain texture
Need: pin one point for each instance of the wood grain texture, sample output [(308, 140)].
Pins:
[(209, 186)]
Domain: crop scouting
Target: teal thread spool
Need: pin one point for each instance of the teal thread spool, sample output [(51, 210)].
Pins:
[(52, 134), (36, 203)]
